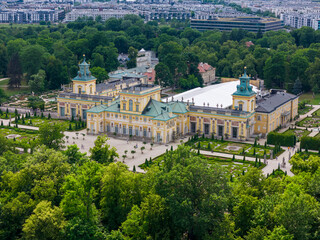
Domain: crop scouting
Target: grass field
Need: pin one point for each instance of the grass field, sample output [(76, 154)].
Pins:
[(314, 100), (14, 91)]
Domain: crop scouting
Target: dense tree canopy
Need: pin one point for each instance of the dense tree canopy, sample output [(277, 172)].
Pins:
[(278, 57), (63, 194)]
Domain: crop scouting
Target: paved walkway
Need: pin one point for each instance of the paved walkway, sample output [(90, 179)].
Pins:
[(121, 145)]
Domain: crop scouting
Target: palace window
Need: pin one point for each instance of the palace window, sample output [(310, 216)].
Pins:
[(130, 105), (259, 117), (240, 107), (137, 108), (124, 106)]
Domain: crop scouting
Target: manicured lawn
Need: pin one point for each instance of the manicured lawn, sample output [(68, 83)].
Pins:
[(277, 174), (14, 91), (316, 113), (21, 133), (314, 100), (234, 168), (298, 132), (7, 115), (4, 82), (313, 121), (38, 121), (317, 136), (305, 110), (232, 148)]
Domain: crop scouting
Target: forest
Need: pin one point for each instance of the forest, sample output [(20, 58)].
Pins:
[(56, 193), (46, 56)]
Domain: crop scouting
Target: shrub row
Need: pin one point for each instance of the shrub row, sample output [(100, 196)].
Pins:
[(310, 143), (283, 139)]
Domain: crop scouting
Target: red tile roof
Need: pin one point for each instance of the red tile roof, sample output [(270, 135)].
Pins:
[(203, 67)]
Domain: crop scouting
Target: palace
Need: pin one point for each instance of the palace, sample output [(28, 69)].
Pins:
[(133, 108)]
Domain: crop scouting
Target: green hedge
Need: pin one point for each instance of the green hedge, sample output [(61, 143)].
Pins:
[(310, 143), (283, 139)]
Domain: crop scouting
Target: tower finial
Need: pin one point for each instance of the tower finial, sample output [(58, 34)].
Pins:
[(245, 71), (84, 57)]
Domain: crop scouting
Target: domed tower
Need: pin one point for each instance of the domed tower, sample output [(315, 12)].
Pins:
[(84, 82), (244, 99)]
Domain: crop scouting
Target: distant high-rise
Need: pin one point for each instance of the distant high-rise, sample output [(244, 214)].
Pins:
[(251, 24)]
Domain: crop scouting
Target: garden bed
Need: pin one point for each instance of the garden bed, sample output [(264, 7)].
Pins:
[(235, 148), (298, 132), (305, 110), (232, 167), (39, 121)]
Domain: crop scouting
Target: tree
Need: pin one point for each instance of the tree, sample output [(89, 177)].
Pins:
[(163, 75), (150, 220), (46, 222), (115, 203), (74, 155), (35, 103), (132, 55), (274, 71), (14, 71), (298, 212), (110, 55), (15, 46), (314, 75), (32, 58), (187, 188), (51, 135), (3, 59), (122, 44), (297, 87), (37, 81), (80, 192), (298, 66), (101, 152), (98, 60), (243, 212), (189, 83), (100, 73), (56, 73), (279, 233)]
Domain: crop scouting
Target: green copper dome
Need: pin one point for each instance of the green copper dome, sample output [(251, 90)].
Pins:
[(244, 89), (84, 73)]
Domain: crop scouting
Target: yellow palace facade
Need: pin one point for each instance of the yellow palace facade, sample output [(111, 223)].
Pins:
[(137, 111)]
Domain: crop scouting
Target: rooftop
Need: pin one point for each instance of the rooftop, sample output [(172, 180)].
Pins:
[(141, 89), (84, 73), (272, 101), (217, 94)]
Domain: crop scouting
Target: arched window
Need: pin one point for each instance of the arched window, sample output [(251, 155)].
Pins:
[(130, 105), (79, 90)]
